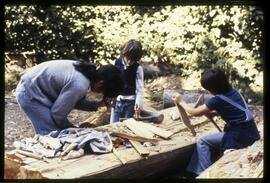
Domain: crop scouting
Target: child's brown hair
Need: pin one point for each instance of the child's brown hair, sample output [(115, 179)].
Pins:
[(132, 50)]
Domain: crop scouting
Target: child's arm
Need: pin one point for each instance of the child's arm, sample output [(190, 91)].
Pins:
[(139, 89), (199, 111)]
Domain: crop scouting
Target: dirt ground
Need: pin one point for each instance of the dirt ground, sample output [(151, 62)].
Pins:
[(17, 125)]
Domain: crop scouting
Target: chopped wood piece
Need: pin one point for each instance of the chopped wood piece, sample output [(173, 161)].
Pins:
[(69, 148), (47, 141), (118, 155), (135, 138), (74, 154), (29, 154), (138, 130), (156, 130), (140, 148)]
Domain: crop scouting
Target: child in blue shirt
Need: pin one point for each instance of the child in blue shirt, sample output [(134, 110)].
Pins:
[(131, 98), (240, 130)]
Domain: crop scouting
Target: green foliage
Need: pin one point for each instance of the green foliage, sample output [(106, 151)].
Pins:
[(53, 32), (193, 38)]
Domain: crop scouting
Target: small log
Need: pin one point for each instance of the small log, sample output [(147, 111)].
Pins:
[(189, 96), (153, 70)]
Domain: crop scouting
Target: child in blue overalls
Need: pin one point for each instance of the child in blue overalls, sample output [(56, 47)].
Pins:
[(240, 130), (131, 99)]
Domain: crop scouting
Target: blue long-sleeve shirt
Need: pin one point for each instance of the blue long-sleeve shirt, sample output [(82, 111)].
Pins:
[(57, 85)]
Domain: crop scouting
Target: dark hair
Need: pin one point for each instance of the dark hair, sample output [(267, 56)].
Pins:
[(113, 82), (87, 69), (132, 50), (215, 81)]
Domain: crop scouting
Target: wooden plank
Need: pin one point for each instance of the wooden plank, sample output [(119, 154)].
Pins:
[(134, 127), (141, 149), (130, 137), (184, 117), (29, 154), (150, 167), (118, 155), (156, 130)]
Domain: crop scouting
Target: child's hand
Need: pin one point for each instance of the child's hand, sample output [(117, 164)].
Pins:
[(176, 98), (137, 109), (108, 102)]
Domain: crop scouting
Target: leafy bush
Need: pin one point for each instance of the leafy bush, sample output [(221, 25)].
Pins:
[(193, 38)]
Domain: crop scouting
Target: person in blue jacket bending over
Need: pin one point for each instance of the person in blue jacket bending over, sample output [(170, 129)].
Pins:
[(240, 130), (130, 101), (49, 91)]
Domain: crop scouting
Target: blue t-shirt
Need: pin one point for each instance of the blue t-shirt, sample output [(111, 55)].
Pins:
[(229, 113)]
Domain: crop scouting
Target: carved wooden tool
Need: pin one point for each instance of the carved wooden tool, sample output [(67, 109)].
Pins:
[(199, 102), (185, 119)]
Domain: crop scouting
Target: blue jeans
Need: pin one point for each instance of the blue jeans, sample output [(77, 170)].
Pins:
[(122, 109), (39, 115), (202, 155), (234, 137)]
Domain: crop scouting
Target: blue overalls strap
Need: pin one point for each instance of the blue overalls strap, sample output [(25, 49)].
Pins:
[(249, 114)]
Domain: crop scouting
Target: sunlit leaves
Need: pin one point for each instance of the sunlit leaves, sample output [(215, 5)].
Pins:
[(192, 37)]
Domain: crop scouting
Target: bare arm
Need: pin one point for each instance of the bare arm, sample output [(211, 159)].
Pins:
[(198, 111)]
